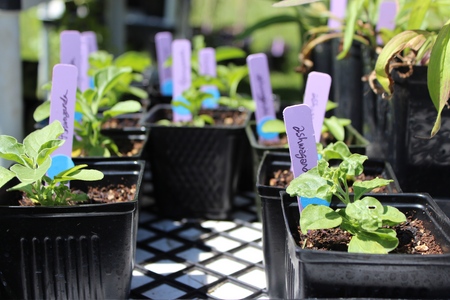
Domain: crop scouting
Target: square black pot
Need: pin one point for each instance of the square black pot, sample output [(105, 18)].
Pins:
[(333, 274), (70, 252)]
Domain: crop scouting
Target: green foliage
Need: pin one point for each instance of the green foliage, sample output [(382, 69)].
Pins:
[(363, 217), (138, 62), (419, 43), (90, 141), (32, 160)]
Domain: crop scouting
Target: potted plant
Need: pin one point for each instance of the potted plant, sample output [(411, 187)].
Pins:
[(358, 265), (272, 215), (412, 70), (65, 242), (195, 164), (91, 139)]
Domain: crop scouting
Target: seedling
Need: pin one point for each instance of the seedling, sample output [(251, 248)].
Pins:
[(365, 218), (32, 161), (90, 141)]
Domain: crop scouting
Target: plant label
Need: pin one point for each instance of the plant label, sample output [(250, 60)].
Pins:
[(386, 18), (337, 10), (163, 41), (207, 67), (302, 144), (91, 39), (70, 46), (316, 97), (62, 108), (181, 70), (84, 80), (261, 88)]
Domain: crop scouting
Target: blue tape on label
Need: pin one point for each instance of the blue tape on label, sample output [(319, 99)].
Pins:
[(60, 162), (265, 135), (212, 102), (167, 88), (180, 110), (318, 201), (78, 116)]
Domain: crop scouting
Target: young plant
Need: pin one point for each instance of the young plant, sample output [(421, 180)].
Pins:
[(90, 141), (32, 161), (365, 218)]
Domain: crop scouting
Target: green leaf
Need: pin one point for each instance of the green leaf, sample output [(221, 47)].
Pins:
[(392, 216), (123, 107), (227, 52), (5, 176), (362, 187), (30, 175), (331, 105), (85, 175), (438, 75), (207, 119), (372, 242), (42, 112), (367, 212), (138, 61), (338, 150), (335, 127), (47, 149), (418, 12), (107, 78), (310, 185), (354, 11), (10, 149), (353, 165), (413, 39), (35, 140), (274, 126), (318, 217), (276, 20), (138, 92)]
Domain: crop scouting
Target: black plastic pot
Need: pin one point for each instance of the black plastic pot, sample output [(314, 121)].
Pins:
[(421, 164), (272, 215), (71, 252), (333, 274), (195, 169)]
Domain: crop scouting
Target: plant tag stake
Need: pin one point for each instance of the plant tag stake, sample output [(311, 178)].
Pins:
[(261, 88), (163, 41), (70, 49), (181, 70), (84, 82), (207, 67), (316, 97), (337, 9), (62, 108), (91, 39), (386, 18), (302, 144)]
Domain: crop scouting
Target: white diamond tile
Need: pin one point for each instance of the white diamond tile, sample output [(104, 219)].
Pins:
[(197, 279), (246, 234), (166, 225), (143, 234), (166, 244), (222, 244), (255, 277), (225, 266), (164, 291), (218, 225), (230, 291), (250, 254), (164, 267), (142, 255), (257, 225), (139, 279), (195, 255)]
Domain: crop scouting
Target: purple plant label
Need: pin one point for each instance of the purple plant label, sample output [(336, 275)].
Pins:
[(261, 89), (302, 143), (207, 62), (337, 10), (163, 41), (91, 39), (316, 97), (181, 70), (70, 48), (83, 78), (62, 105), (278, 47), (386, 18)]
